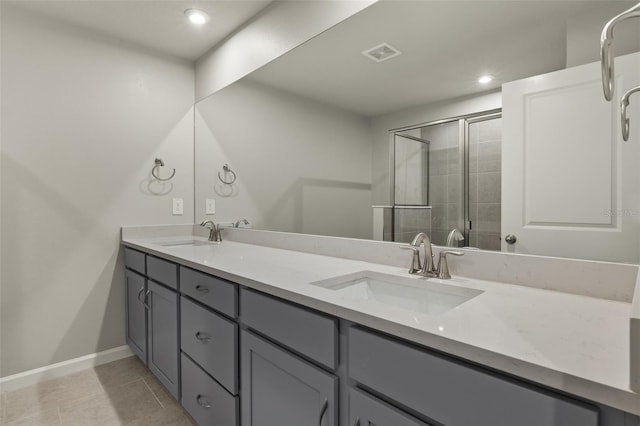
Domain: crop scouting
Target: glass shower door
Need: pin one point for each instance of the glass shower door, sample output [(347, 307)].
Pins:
[(484, 142), (447, 176), (411, 213)]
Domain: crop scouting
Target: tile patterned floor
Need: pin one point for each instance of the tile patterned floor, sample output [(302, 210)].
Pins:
[(123, 392)]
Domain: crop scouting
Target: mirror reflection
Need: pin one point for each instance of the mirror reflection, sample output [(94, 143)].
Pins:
[(391, 123)]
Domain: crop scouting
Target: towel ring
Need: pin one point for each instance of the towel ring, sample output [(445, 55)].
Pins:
[(624, 103), (159, 163), (227, 169), (606, 55)]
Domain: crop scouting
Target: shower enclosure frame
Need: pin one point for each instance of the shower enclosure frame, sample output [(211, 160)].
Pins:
[(465, 225)]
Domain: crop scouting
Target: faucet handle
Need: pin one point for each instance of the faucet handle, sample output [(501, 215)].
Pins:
[(416, 265), (443, 266)]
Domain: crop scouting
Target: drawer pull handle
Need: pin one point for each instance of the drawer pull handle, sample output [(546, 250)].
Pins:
[(140, 294), (145, 300), (202, 289), (203, 338), (202, 402), (323, 410)]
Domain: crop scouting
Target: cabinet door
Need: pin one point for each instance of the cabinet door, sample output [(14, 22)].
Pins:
[(163, 335), (136, 314), (365, 410), (280, 389)]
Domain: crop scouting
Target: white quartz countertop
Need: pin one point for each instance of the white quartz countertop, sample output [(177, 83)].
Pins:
[(573, 343)]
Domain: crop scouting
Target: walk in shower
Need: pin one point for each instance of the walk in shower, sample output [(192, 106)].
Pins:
[(446, 176)]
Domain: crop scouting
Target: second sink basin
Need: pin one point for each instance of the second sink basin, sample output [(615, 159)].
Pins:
[(187, 243), (418, 295)]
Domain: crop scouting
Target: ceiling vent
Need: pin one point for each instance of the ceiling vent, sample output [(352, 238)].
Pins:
[(381, 52)]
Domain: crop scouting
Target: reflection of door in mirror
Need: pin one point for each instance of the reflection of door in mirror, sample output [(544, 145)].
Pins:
[(446, 177), (570, 185)]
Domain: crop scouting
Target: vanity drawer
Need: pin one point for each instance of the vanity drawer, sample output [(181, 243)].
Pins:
[(204, 399), (214, 292), (367, 410), (452, 393), (308, 333), (134, 259), (212, 341), (162, 271)]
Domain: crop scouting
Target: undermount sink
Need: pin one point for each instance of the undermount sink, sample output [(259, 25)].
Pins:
[(187, 243), (417, 295)]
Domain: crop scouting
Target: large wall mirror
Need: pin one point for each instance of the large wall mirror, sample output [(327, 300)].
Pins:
[(331, 140)]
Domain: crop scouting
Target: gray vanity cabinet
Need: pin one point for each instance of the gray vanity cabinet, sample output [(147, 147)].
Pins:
[(365, 410), (278, 388), (163, 349), (152, 315), (204, 399), (453, 393), (253, 359), (136, 314)]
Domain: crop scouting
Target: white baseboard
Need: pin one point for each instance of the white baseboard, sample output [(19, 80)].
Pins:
[(53, 371)]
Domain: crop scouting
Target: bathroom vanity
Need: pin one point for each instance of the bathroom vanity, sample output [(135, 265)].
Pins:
[(248, 334)]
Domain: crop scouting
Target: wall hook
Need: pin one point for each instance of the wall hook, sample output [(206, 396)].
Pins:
[(227, 169), (154, 172)]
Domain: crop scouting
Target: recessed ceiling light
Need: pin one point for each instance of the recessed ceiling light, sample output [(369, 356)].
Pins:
[(485, 79), (196, 16)]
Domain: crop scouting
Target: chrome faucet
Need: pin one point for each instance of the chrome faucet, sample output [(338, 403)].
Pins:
[(214, 230), (422, 238), (454, 236), (241, 222), (428, 268)]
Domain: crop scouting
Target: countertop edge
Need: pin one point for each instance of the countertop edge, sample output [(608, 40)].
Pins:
[(623, 399)]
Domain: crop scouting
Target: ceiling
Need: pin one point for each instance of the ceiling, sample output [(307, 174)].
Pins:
[(159, 25), (445, 45)]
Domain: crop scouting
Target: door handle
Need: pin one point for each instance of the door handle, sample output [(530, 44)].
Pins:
[(510, 239), (323, 411)]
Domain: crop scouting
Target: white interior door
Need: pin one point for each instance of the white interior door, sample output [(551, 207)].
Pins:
[(570, 186)]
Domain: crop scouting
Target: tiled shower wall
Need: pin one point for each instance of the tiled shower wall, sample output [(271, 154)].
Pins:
[(408, 221), (485, 142), (445, 179)]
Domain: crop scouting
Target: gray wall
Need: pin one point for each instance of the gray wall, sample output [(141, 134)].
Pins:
[(301, 166), (83, 117)]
